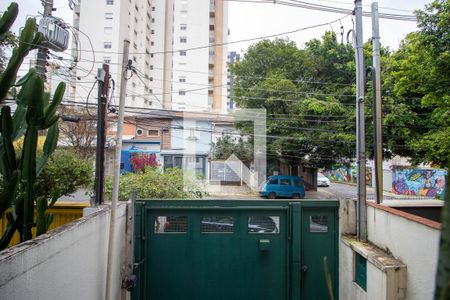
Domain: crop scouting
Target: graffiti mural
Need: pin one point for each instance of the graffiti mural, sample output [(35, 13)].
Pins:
[(341, 174), (419, 182), (346, 174)]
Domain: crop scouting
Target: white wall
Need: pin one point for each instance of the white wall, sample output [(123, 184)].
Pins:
[(386, 276), (415, 244), (66, 263)]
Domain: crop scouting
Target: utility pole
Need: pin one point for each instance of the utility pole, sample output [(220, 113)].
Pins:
[(126, 65), (376, 79), (41, 60), (360, 128), (103, 86)]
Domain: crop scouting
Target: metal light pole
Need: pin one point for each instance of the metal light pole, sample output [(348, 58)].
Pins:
[(360, 128), (377, 121)]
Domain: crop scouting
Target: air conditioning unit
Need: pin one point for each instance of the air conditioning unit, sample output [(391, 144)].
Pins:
[(55, 34)]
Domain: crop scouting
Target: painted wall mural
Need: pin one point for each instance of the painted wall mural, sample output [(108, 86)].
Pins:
[(419, 182), (341, 174), (346, 174)]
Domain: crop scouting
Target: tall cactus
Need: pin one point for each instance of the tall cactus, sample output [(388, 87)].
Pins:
[(34, 112)]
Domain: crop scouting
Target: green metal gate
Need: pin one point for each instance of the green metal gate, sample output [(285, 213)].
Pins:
[(234, 249)]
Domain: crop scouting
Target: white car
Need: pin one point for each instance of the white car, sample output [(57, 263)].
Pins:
[(322, 180)]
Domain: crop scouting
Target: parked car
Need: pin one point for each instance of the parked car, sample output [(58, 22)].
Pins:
[(322, 180), (283, 186)]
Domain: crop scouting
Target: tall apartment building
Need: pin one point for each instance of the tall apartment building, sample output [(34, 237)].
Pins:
[(232, 57), (176, 46)]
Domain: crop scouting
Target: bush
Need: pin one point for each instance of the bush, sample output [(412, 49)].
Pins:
[(64, 173), (153, 184)]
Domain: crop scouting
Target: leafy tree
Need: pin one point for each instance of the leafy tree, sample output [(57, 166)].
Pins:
[(226, 145), (63, 174), (417, 82), (308, 95), (153, 184)]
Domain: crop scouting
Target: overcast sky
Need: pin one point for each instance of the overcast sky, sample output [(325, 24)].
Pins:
[(247, 20)]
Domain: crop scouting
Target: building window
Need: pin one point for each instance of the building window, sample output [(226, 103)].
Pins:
[(139, 132), (212, 14), (152, 43), (182, 78), (182, 52), (211, 27), (183, 39), (152, 31), (107, 30), (107, 60), (151, 55), (151, 67), (108, 16), (183, 26), (181, 92), (153, 8), (153, 132), (107, 45), (109, 2), (211, 40), (153, 20)]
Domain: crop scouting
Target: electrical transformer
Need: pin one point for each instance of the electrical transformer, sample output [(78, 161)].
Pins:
[(55, 34)]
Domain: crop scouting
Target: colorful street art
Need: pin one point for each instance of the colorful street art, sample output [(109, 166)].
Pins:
[(341, 174), (346, 174), (419, 182)]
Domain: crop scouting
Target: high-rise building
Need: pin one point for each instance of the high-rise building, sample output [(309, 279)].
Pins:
[(176, 46), (232, 57)]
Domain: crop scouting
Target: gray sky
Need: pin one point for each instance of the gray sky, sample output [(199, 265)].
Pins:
[(247, 20)]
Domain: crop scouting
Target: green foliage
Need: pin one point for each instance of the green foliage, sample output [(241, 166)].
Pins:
[(306, 93), (153, 184), (33, 113), (64, 172), (226, 145), (442, 291), (416, 82)]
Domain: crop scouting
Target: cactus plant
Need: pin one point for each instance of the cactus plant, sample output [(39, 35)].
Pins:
[(34, 113)]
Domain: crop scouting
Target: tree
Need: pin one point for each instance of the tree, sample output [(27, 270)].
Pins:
[(417, 83), (308, 95), (226, 145), (81, 135)]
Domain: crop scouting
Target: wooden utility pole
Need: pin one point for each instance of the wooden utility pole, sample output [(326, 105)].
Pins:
[(103, 91), (41, 58)]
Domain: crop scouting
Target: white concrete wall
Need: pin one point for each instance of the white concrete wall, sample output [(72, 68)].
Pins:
[(415, 244), (386, 276), (66, 263)]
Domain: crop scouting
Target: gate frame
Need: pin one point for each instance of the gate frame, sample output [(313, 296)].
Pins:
[(294, 210)]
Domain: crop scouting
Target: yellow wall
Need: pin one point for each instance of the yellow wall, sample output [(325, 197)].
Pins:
[(63, 213)]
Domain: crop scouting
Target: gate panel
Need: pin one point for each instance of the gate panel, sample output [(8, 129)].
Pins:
[(318, 240), (217, 254), (225, 249)]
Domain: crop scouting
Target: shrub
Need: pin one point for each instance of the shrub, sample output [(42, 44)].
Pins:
[(153, 184), (64, 173)]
